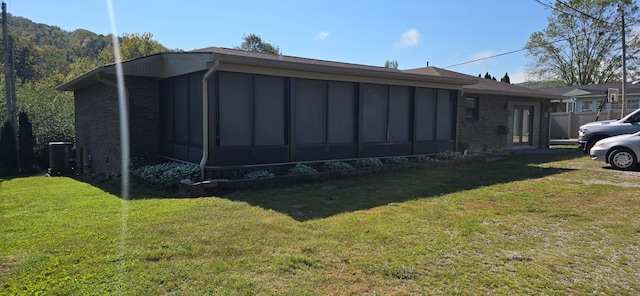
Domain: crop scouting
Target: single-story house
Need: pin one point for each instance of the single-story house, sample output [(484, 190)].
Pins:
[(224, 108)]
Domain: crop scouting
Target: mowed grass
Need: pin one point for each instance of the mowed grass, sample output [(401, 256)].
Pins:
[(525, 224)]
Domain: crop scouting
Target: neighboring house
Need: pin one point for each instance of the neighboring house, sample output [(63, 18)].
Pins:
[(587, 98), (264, 109), (581, 104)]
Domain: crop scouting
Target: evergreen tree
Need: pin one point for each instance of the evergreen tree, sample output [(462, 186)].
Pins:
[(8, 153), (505, 78), (25, 140)]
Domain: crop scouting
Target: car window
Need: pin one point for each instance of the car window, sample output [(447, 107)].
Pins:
[(634, 118)]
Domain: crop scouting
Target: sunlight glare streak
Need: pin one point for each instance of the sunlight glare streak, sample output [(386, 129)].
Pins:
[(124, 143)]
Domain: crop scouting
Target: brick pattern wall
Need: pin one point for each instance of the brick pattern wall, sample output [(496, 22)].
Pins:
[(144, 115), (98, 123), (478, 134)]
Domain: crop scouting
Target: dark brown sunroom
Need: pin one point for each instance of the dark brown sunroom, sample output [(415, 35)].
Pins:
[(271, 109)]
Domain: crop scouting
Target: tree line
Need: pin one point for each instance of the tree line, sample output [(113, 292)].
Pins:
[(46, 57)]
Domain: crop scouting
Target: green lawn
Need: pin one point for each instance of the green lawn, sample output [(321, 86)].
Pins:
[(526, 224)]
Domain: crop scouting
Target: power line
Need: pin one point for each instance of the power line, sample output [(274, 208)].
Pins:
[(509, 52), (548, 5), (582, 13), (486, 58)]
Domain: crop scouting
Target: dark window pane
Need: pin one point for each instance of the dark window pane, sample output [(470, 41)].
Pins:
[(181, 109), (270, 104), (195, 109), (236, 109), (342, 112), (374, 115), (166, 109), (444, 116), (310, 111), (471, 108), (399, 113), (425, 114)]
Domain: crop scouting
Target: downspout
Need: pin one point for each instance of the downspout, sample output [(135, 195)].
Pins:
[(205, 118)]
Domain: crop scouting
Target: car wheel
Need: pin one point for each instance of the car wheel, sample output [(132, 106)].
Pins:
[(622, 159), (590, 144)]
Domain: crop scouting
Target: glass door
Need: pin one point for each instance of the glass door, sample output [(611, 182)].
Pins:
[(522, 125)]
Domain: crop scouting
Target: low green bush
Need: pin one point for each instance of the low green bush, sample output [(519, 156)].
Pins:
[(424, 158), (170, 173), (259, 175), (302, 169), (449, 155), (368, 162), (396, 160), (336, 166)]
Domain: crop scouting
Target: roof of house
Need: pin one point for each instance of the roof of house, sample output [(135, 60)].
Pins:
[(300, 63), (170, 64), (289, 59), (164, 65), (488, 86)]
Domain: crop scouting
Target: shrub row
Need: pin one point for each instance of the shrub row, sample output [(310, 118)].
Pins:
[(170, 174)]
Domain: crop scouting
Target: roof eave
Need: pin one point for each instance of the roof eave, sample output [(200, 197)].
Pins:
[(524, 95), (72, 84), (281, 64)]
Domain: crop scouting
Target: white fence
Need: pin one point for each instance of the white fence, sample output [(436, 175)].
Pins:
[(565, 125)]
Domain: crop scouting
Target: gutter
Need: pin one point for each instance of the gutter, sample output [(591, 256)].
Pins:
[(205, 117)]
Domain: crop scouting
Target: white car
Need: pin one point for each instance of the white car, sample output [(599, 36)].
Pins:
[(621, 152)]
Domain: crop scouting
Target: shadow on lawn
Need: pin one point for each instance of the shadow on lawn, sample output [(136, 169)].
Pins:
[(137, 188), (307, 201), (320, 200)]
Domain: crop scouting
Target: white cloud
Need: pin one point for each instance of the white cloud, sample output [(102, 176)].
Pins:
[(322, 35), (408, 39), (518, 76)]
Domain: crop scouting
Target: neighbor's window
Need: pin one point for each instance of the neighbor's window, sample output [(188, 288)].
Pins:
[(585, 106), (471, 108), (632, 104)]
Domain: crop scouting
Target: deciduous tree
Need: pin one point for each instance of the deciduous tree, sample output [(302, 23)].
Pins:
[(253, 42), (391, 64), (582, 42), (132, 46)]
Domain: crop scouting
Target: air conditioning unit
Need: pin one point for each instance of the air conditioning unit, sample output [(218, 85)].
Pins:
[(612, 95)]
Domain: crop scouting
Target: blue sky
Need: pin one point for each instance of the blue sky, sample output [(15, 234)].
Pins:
[(443, 33)]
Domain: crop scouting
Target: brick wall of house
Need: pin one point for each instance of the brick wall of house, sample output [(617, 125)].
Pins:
[(97, 122), (144, 115), (478, 134)]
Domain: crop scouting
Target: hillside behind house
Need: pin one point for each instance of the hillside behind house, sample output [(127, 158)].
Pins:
[(45, 57)]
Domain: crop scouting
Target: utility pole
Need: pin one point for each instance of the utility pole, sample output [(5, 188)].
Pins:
[(7, 69), (623, 98), (9, 82)]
